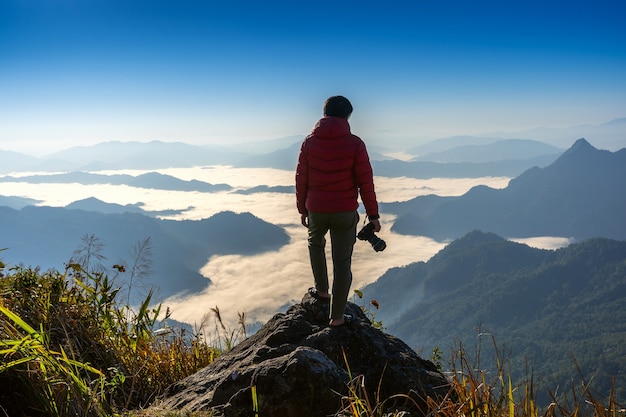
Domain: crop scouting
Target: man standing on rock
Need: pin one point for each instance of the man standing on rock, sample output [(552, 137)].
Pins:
[(333, 169)]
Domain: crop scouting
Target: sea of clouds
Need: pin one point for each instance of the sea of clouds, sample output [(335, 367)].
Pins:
[(264, 284)]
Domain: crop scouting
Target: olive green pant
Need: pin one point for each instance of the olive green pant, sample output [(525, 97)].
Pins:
[(342, 228)]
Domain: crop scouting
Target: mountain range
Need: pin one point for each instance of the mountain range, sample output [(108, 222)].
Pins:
[(48, 237), (540, 305), (158, 155), (580, 195), (497, 154), (544, 308), (501, 150)]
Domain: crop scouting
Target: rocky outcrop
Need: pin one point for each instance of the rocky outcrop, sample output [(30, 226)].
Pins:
[(302, 367)]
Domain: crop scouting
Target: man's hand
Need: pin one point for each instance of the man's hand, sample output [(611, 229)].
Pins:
[(304, 219), (376, 224)]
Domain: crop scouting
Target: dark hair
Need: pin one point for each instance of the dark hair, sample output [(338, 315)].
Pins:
[(338, 106)]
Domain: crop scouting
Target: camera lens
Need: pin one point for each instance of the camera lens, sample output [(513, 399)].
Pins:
[(378, 244)]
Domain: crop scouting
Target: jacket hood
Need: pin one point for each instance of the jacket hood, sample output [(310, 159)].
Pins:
[(331, 127)]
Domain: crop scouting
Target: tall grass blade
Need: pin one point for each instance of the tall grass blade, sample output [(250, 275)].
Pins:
[(255, 402)]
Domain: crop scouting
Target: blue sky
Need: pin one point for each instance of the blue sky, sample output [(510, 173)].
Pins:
[(78, 72)]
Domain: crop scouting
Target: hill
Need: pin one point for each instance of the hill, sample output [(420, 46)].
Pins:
[(579, 195), (504, 158), (542, 306), (17, 202), (150, 180), (15, 161), (501, 150), (122, 155), (428, 169), (47, 237)]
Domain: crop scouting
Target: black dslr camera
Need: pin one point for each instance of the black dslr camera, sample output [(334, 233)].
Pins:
[(367, 233)]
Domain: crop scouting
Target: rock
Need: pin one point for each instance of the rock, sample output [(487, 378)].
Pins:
[(302, 367)]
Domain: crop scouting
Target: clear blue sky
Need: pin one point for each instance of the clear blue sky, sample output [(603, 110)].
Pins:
[(77, 72)]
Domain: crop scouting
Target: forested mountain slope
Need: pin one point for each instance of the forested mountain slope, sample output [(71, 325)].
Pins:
[(543, 306)]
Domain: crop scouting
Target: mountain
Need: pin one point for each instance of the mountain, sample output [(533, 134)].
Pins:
[(580, 195), (155, 155), (609, 135), (266, 146), (445, 144), (428, 169), (540, 305), (17, 202), (145, 155), (280, 159), (150, 180), (123, 155), (287, 189), (15, 161), (47, 237), (287, 158), (94, 204), (502, 150)]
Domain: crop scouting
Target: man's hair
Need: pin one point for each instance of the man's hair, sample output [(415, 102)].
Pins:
[(338, 106)]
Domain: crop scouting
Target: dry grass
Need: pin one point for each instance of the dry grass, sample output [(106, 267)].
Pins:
[(68, 348), (73, 350)]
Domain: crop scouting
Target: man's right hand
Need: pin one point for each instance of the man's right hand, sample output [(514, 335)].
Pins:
[(304, 219), (376, 223)]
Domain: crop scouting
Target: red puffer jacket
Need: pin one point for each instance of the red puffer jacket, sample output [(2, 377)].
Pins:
[(333, 168)]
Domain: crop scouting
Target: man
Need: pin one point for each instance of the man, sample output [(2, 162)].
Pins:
[(333, 169)]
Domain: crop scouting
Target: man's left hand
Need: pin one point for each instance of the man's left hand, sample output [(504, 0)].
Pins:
[(376, 224)]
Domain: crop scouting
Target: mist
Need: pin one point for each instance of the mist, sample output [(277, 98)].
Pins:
[(264, 284)]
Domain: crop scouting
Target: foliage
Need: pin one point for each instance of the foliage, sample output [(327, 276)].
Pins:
[(477, 391), (371, 314), (68, 348), (544, 306)]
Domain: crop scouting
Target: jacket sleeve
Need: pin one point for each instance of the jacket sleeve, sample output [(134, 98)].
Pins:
[(302, 179), (365, 181)]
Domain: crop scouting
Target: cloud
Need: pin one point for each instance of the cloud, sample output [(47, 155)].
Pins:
[(403, 188), (544, 242), (265, 284)]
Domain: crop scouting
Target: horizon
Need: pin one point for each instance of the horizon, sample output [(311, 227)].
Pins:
[(561, 138), (203, 73)]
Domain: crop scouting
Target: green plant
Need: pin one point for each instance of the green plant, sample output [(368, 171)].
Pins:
[(69, 348), (436, 357), (357, 402), (371, 314), (62, 383), (230, 336)]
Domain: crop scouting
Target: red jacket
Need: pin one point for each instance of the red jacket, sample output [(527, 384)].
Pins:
[(333, 168)]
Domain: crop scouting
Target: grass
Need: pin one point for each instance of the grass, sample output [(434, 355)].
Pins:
[(69, 347), (72, 349), (476, 392)]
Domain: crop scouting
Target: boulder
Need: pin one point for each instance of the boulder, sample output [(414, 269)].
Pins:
[(300, 366)]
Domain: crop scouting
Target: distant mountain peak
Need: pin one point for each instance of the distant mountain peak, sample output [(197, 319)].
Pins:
[(617, 121), (580, 151), (475, 237), (582, 144)]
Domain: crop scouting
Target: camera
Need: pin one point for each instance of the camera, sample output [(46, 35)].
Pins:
[(367, 233)]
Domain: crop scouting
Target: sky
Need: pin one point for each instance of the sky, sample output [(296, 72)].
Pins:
[(79, 72)]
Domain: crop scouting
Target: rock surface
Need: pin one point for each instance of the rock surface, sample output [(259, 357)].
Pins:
[(302, 367)]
